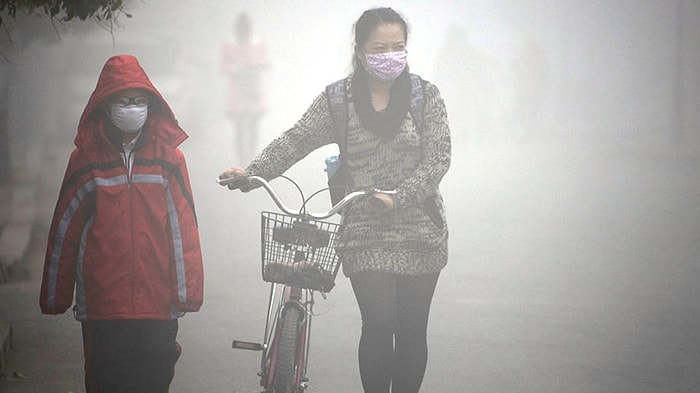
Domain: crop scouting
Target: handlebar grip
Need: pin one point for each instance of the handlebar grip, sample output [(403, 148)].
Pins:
[(234, 183)]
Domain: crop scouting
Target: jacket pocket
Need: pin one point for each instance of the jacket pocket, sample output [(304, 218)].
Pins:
[(433, 211)]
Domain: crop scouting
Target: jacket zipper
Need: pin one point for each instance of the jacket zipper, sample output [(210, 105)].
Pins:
[(128, 164), (127, 161)]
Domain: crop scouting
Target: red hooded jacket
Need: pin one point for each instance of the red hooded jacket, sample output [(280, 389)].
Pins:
[(126, 245)]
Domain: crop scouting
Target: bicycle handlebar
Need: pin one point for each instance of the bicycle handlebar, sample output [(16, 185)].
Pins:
[(238, 182)]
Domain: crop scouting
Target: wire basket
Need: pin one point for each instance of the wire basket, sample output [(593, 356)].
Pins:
[(299, 252)]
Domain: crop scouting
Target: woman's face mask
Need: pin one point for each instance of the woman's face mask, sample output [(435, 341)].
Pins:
[(386, 67)]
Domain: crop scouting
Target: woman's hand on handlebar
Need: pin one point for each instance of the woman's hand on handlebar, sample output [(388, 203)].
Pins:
[(231, 173), (379, 202)]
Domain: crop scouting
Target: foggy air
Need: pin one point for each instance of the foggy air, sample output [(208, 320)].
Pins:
[(572, 198)]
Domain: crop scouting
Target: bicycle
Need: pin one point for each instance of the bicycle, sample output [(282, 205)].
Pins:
[(298, 254)]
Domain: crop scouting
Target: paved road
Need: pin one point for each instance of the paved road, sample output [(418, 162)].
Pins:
[(572, 270)]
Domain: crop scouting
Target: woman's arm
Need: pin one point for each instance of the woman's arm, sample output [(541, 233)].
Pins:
[(436, 150), (312, 131)]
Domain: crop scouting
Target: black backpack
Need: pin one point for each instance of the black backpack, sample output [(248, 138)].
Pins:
[(340, 182)]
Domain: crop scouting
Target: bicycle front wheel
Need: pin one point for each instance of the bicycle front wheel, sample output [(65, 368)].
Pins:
[(286, 367)]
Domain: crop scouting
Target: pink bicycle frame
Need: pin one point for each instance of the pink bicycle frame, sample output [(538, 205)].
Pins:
[(292, 298)]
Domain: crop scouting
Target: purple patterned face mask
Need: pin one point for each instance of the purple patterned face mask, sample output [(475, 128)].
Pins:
[(386, 66)]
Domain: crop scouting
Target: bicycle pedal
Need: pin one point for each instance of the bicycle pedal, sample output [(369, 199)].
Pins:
[(246, 345)]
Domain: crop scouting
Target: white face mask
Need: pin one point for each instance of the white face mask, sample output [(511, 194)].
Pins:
[(128, 118)]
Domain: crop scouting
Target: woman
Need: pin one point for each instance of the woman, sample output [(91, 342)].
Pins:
[(394, 247), (244, 62)]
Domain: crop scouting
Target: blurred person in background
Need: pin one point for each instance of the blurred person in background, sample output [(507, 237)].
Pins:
[(392, 248), (244, 61), (124, 235), (530, 88)]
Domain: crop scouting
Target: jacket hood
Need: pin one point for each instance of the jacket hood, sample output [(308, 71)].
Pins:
[(120, 73)]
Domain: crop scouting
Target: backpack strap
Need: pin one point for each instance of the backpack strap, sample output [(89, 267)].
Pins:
[(337, 102), (417, 100), (340, 182)]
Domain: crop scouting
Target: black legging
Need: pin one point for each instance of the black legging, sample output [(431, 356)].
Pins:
[(393, 347)]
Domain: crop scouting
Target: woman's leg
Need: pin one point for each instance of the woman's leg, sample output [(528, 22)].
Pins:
[(245, 135), (414, 295), (393, 347), (375, 294)]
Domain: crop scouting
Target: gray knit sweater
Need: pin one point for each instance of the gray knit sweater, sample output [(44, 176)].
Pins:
[(405, 240)]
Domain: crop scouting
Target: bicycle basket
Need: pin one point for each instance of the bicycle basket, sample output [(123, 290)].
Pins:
[(299, 252)]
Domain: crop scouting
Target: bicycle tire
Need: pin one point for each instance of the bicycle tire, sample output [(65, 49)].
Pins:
[(286, 366)]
